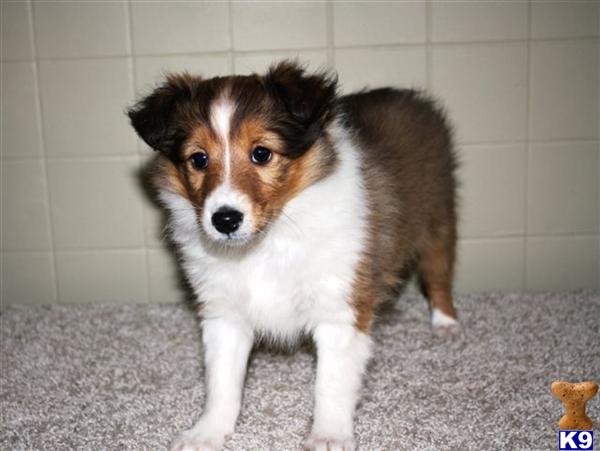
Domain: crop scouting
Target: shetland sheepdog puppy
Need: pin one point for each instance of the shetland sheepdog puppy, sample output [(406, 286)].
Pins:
[(296, 213)]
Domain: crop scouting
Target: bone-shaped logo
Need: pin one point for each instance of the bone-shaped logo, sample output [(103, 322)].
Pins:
[(574, 397)]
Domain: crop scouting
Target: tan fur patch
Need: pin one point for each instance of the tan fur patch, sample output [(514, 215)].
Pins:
[(165, 175), (204, 140), (272, 185), (364, 296)]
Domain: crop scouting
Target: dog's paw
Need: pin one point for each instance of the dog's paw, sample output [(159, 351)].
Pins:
[(450, 331), (323, 443), (194, 440), (444, 326)]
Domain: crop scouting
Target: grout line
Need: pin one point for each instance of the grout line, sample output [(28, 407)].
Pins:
[(83, 250), (154, 247), (299, 49), (527, 160), (138, 157), (129, 25), (2, 282), (45, 165), (534, 236), (330, 30), (277, 52), (116, 56), (563, 140), (453, 43), (531, 141), (428, 47), (123, 157), (230, 52), (480, 145)]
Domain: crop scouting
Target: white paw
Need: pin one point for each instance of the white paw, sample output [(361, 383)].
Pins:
[(322, 443), (195, 440), (440, 319), (444, 325)]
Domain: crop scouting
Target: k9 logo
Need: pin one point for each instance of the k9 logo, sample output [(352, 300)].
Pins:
[(568, 440)]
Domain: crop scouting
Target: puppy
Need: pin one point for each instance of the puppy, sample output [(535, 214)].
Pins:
[(297, 212)]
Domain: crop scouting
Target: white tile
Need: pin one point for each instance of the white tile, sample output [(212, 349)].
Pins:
[(248, 63), (374, 22), (564, 18), (163, 27), (492, 190), (19, 111), (27, 278), (79, 29), (95, 203), (101, 276), (401, 67), (562, 263), (463, 21), (484, 87), (260, 25), (151, 70), (17, 42), (490, 265), (564, 89), (25, 220), (165, 277), (563, 188), (83, 104)]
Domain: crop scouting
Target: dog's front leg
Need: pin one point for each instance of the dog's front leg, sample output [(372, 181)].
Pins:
[(342, 354), (227, 345)]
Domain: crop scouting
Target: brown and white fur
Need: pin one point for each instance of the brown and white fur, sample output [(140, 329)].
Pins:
[(358, 191)]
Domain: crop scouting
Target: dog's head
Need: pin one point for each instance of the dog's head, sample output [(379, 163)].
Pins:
[(239, 148)]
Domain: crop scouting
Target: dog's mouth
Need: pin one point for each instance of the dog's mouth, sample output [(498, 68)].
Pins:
[(232, 239)]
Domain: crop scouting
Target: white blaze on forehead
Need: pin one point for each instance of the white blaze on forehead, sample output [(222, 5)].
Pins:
[(220, 116), (225, 195)]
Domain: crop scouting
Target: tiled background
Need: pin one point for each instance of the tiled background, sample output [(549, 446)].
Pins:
[(520, 80)]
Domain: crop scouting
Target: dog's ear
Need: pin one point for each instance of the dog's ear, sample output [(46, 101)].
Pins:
[(308, 99), (154, 116)]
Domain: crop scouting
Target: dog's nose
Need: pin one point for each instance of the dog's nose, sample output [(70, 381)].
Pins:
[(227, 220)]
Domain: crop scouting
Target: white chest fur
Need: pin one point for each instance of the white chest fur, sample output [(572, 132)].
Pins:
[(301, 272)]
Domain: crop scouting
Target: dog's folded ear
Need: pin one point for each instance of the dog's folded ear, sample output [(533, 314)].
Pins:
[(308, 98), (153, 117)]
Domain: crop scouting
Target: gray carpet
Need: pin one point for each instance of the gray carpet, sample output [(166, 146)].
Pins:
[(129, 377)]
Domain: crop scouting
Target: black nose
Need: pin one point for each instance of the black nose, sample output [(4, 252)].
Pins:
[(227, 220)]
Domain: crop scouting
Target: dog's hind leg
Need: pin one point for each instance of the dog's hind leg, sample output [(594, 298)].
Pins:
[(436, 271)]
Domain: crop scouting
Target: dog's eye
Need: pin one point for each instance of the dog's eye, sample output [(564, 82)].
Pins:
[(199, 160), (260, 155)]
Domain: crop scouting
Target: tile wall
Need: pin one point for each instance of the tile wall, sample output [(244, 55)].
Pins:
[(520, 80)]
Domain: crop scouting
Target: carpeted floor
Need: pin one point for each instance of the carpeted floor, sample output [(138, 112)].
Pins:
[(129, 377)]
